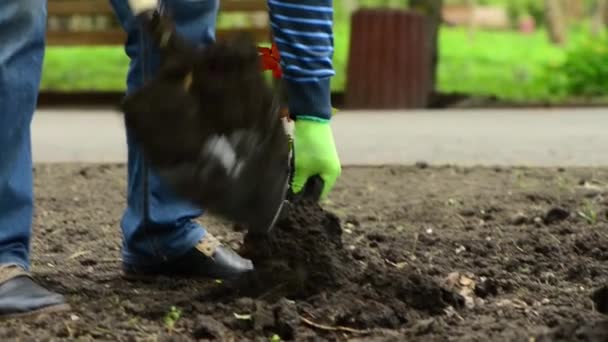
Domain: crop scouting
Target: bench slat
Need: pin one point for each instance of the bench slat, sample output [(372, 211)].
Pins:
[(117, 37), (262, 34), (92, 38), (103, 7), (73, 7), (243, 5)]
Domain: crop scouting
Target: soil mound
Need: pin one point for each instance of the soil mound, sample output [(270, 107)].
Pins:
[(304, 256), (304, 259), (301, 257)]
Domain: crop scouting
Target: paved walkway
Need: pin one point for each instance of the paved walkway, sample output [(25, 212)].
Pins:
[(490, 137)]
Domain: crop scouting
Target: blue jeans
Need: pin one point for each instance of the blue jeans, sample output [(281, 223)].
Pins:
[(22, 29), (156, 225)]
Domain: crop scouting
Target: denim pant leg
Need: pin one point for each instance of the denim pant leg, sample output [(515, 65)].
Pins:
[(22, 31), (157, 225)]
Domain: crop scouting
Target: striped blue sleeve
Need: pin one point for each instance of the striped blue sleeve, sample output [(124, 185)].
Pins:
[(303, 33)]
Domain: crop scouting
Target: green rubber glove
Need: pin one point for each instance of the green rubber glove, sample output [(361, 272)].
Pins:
[(314, 154)]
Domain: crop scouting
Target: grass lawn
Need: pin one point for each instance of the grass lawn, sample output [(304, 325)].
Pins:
[(104, 68), (505, 64), (84, 68)]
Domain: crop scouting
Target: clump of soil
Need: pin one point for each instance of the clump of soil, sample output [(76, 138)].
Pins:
[(600, 299), (303, 270), (302, 256)]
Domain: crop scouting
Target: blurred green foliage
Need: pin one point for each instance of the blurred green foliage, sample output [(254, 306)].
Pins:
[(104, 68), (84, 68), (506, 64), (502, 64), (583, 71)]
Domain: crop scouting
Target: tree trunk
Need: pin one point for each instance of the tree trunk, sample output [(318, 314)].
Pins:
[(556, 24), (432, 9), (574, 10), (599, 23), (472, 26)]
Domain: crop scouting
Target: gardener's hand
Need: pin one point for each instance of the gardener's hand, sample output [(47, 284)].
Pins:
[(314, 155)]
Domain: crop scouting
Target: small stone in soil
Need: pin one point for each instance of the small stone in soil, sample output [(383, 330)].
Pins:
[(519, 219), (287, 319), (263, 318), (377, 237), (600, 298), (422, 164), (208, 328), (486, 288), (555, 215), (589, 192), (467, 212), (423, 326)]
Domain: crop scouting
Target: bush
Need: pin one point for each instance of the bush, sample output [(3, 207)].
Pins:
[(584, 71)]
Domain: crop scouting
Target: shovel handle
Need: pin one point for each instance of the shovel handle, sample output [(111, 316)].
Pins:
[(140, 6)]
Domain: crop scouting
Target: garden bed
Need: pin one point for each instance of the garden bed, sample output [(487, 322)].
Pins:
[(417, 252)]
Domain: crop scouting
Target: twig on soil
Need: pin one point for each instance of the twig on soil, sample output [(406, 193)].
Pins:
[(70, 332), (603, 235), (450, 311), (78, 254), (109, 260), (56, 230), (308, 313), (555, 238), (462, 220), (415, 244), (103, 331), (399, 265), (499, 227), (518, 248), (336, 328)]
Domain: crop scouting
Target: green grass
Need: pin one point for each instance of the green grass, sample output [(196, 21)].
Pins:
[(84, 68), (104, 68), (504, 64)]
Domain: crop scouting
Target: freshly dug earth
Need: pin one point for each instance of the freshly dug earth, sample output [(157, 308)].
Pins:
[(397, 253)]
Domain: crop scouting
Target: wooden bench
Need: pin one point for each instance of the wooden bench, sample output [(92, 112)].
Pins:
[(103, 29)]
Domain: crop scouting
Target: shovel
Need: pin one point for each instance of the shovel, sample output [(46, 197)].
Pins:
[(234, 161), (209, 125)]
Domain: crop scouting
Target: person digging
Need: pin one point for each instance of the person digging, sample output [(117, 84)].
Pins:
[(160, 236)]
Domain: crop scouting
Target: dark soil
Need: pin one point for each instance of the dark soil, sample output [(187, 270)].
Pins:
[(418, 253), (303, 256)]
